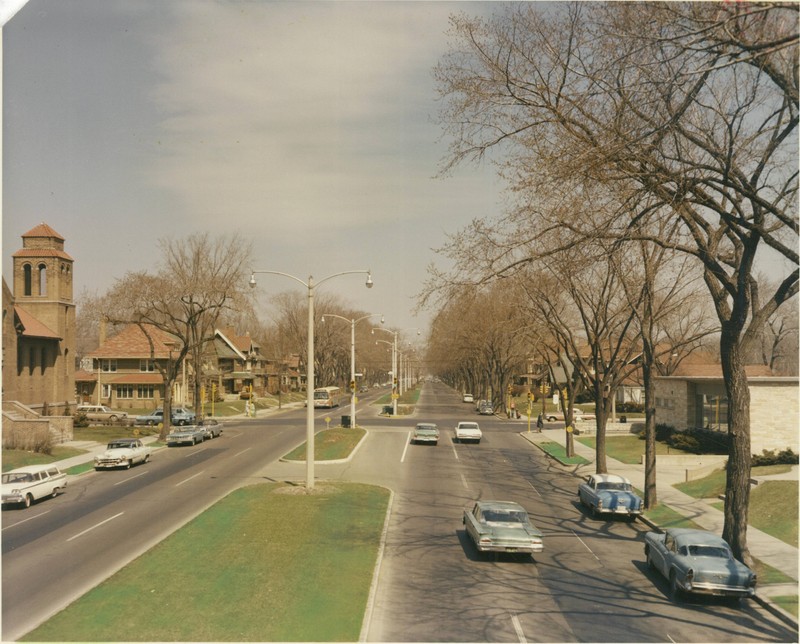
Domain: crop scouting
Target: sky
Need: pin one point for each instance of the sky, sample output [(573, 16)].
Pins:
[(309, 127)]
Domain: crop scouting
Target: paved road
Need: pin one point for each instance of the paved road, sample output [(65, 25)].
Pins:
[(590, 583)]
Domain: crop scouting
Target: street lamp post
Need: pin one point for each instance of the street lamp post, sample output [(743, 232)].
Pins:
[(395, 376), (352, 358), (310, 285)]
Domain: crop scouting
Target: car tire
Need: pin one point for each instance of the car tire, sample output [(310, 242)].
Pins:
[(649, 560), (112, 419), (551, 419), (128, 464), (146, 458), (150, 423), (674, 590), (56, 492), (28, 501)]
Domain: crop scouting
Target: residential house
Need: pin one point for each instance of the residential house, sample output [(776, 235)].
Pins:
[(694, 396), (234, 363), (126, 371)]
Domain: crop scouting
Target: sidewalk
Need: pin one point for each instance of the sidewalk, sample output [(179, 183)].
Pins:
[(763, 547)]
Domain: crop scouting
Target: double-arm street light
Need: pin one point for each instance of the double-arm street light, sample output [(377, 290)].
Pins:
[(352, 357), (395, 375), (310, 285)]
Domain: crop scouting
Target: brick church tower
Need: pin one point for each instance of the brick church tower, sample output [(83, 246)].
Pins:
[(43, 369)]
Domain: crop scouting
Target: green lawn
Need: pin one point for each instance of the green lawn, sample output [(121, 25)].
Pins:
[(269, 563), (330, 445), (559, 452), (14, 458), (628, 448)]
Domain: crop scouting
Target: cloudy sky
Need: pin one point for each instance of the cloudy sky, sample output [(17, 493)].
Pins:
[(309, 127)]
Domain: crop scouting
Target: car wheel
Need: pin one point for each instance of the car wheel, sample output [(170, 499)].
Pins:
[(28, 501), (150, 423), (112, 419), (56, 492), (551, 419), (674, 589), (128, 464), (146, 458)]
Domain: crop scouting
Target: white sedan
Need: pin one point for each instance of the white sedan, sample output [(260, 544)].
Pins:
[(122, 452), (468, 431)]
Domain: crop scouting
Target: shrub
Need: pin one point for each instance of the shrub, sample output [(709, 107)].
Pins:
[(685, 441), (700, 441), (663, 432), (631, 407), (79, 419), (769, 457), (38, 440)]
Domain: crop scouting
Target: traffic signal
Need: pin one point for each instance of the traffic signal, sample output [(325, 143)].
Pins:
[(352, 385), (530, 395)]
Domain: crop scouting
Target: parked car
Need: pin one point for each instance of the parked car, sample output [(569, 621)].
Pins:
[(467, 398), (577, 414), (179, 416), (609, 494), (425, 433), (468, 431), (25, 485), (212, 427), (486, 409), (101, 412), (502, 526), (190, 434), (122, 452), (698, 561)]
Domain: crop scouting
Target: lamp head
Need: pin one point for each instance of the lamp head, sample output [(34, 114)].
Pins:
[(252, 280), (369, 279), (322, 319), (382, 321)]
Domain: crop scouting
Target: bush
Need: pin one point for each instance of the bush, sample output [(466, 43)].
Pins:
[(769, 457), (685, 441), (38, 440), (700, 441), (80, 419), (663, 432), (631, 408)]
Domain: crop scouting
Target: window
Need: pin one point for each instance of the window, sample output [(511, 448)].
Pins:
[(147, 366), (106, 393), (712, 411), (42, 279), (28, 277), (124, 391), (107, 365), (145, 391)]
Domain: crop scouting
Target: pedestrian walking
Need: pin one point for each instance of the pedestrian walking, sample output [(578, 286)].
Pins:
[(539, 423)]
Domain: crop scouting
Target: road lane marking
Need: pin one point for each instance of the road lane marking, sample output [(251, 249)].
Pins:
[(534, 488), (41, 514), (584, 544), (193, 476), (464, 481), (80, 534), (136, 476), (455, 453), (518, 629), (242, 452), (405, 449)]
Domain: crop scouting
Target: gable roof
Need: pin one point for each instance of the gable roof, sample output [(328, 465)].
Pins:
[(33, 328), (132, 342)]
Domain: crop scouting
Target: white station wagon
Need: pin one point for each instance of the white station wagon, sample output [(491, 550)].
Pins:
[(25, 485)]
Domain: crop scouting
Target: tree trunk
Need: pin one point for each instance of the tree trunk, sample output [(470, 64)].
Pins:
[(650, 495), (601, 465), (737, 487)]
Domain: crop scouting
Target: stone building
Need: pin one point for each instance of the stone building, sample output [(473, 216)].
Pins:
[(695, 397)]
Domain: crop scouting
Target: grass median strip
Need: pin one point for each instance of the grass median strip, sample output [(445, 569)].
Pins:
[(267, 563), (330, 445)]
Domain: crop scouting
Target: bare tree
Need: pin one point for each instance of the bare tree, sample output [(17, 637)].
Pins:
[(691, 107)]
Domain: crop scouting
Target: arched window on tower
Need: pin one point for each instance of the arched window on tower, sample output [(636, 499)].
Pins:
[(28, 277), (42, 279)]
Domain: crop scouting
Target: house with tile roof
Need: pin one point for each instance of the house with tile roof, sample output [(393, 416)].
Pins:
[(233, 364), (126, 370), (39, 325)]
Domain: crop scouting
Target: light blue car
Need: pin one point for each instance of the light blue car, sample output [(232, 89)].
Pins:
[(698, 561), (610, 495)]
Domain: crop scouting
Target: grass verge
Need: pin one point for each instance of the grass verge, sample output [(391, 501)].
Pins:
[(330, 445), (14, 458), (559, 452), (628, 448), (787, 603), (302, 579)]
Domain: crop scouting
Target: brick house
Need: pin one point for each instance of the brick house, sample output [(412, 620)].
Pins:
[(694, 396), (234, 363), (125, 370)]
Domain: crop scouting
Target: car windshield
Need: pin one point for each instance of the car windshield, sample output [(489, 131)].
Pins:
[(17, 477), (119, 445), (708, 551), (514, 517), (625, 487)]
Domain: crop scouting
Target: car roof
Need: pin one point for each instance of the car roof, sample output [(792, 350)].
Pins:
[(610, 478), (31, 469), (123, 440), (687, 536), (501, 505), (426, 424)]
